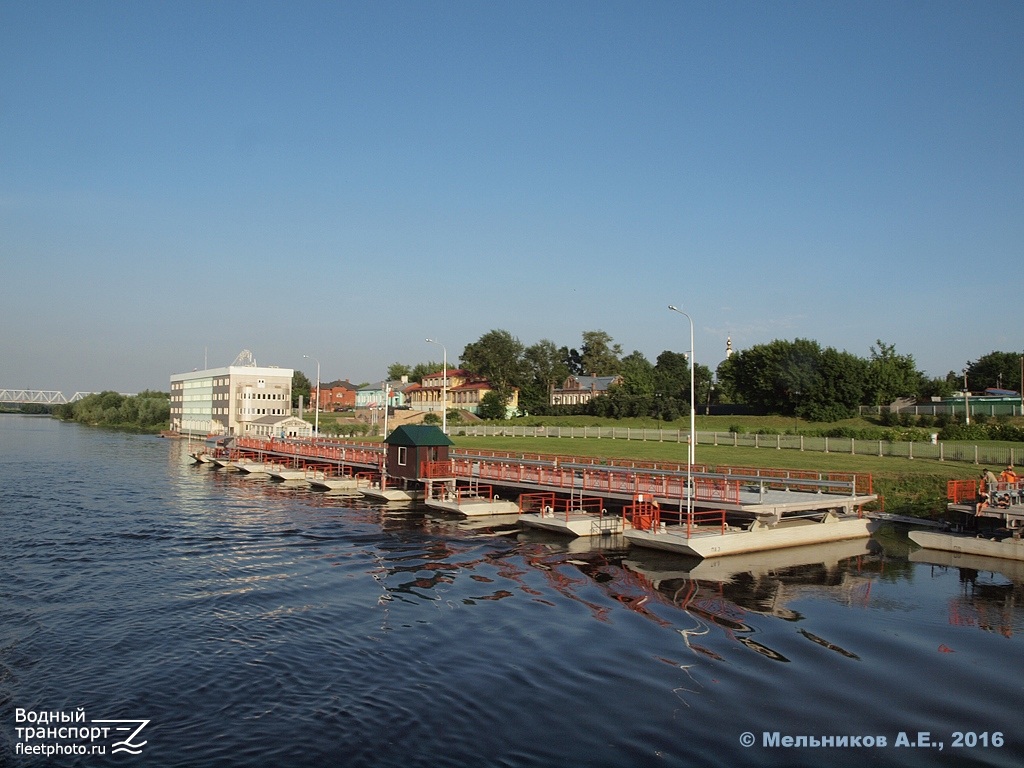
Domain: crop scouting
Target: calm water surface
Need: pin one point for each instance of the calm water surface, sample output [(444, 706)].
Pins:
[(255, 624)]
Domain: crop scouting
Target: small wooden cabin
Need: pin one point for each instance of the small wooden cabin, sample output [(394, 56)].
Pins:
[(412, 445)]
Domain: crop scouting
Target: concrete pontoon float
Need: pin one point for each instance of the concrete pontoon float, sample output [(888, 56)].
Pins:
[(473, 500), (335, 478), (288, 474), (392, 493), (994, 530), (254, 469), (575, 516), (992, 545), (759, 518)]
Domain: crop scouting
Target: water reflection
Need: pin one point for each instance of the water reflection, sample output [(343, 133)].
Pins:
[(723, 592), (991, 592)]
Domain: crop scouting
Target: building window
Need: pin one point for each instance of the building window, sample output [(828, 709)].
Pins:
[(402, 455)]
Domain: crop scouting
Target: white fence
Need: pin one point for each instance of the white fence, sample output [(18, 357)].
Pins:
[(980, 408), (994, 454)]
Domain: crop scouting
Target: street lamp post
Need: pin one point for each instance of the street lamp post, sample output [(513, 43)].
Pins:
[(316, 415), (967, 401), (444, 385), (691, 452)]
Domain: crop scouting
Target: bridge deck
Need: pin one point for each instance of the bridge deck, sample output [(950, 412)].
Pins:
[(747, 491)]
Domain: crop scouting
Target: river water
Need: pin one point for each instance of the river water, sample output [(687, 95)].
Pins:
[(254, 624)]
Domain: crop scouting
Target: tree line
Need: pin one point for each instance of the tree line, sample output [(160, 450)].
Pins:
[(147, 411), (798, 377)]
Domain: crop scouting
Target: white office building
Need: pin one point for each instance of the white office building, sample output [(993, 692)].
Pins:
[(236, 400)]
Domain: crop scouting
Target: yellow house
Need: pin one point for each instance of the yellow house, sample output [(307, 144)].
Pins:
[(464, 391)]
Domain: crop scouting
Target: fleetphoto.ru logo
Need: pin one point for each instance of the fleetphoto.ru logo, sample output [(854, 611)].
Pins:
[(57, 732)]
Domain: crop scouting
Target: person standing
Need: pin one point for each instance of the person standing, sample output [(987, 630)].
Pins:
[(1012, 480), (986, 485)]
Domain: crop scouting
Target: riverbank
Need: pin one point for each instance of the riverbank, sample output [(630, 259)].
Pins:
[(145, 413)]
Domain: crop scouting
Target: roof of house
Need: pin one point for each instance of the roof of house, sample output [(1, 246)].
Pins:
[(418, 435), (450, 373), (282, 419), (478, 384), (378, 386), (596, 383)]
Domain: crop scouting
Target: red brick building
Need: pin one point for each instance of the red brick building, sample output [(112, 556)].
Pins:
[(335, 396)]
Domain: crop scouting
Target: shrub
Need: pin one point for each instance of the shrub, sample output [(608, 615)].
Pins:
[(964, 432)]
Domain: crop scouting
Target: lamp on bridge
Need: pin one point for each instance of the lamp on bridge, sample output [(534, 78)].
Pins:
[(316, 415), (690, 453), (444, 385)]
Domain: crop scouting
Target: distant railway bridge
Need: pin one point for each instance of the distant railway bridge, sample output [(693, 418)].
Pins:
[(39, 396)]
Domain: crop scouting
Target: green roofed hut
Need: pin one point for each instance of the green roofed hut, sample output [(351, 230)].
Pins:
[(418, 464), (412, 448), (413, 453)]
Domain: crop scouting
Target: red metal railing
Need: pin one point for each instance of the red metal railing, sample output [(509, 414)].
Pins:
[(329, 471), (435, 469), (644, 514), (705, 519), (961, 490), (551, 505), (356, 453)]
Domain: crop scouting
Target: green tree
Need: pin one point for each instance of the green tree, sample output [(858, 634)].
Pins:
[(724, 386), (890, 375), (672, 375), (755, 376), (637, 375), (838, 389), (301, 385), (775, 377), (599, 355), (996, 369), (703, 382), (421, 370), (544, 367), (573, 361), (492, 406), (397, 370), (940, 387), (498, 357), (146, 411)]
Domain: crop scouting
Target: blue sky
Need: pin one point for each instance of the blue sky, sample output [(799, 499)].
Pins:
[(183, 180)]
